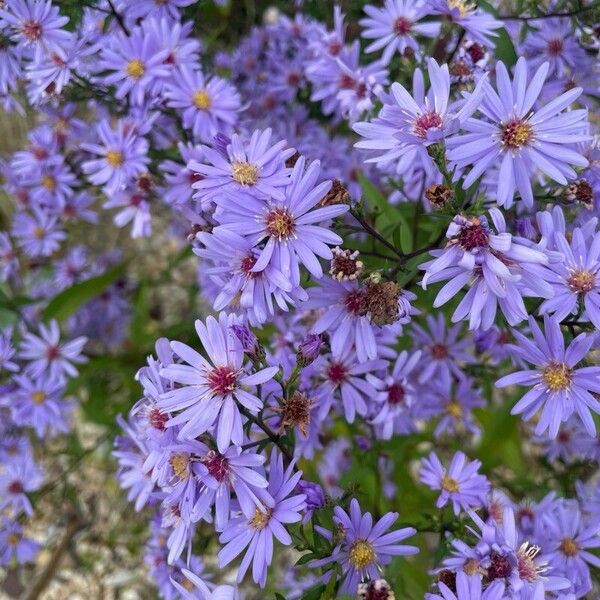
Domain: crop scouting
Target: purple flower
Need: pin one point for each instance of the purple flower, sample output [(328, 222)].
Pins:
[(577, 279), (232, 259), (443, 349), (35, 24), (460, 483), (135, 209), (207, 105), (558, 388), (167, 9), (394, 26), (395, 395), (122, 157), (405, 123), (36, 233), (343, 380), (38, 403), (211, 390), (133, 63), (499, 268), (255, 529), (519, 139), (479, 25), (309, 349), (256, 167), (9, 264), (290, 228), (47, 354), (232, 471), (201, 591), (18, 478), (7, 352), (14, 544), (469, 587), (365, 546), (315, 497), (553, 41)]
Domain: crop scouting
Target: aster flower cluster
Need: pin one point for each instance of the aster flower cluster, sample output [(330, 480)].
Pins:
[(361, 275)]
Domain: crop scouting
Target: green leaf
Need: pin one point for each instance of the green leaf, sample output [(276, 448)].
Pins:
[(314, 593), (278, 596), (376, 199), (68, 301), (505, 49)]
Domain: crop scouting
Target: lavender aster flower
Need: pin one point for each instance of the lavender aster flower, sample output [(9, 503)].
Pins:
[(7, 352), (256, 167), (47, 354), (9, 263), (35, 24), (365, 545), (14, 544), (577, 281), (133, 64), (405, 123), (394, 26), (208, 105), (468, 588), (520, 139), (210, 390), (460, 483), (558, 388), (37, 233), (18, 478), (479, 25), (255, 530), (122, 157), (290, 227)]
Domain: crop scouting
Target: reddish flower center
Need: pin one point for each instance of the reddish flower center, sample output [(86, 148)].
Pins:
[(473, 235), (39, 153), (516, 133), (15, 487), (280, 223), (336, 373), (402, 26), (354, 302), (439, 351), (555, 47), (347, 82), (217, 465), (334, 48), (564, 436), (425, 122), (293, 79), (32, 30), (135, 200), (158, 419), (52, 353), (476, 52), (222, 380), (247, 265), (499, 567), (396, 394)]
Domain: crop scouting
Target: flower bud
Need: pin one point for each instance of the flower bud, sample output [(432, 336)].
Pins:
[(309, 349), (249, 341), (377, 589)]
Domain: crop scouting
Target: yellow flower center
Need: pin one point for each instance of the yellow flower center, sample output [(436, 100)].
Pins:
[(462, 6), (13, 539), (361, 554), (49, 182), (114, 158), (557, 376), (449, 485), (516, 133), (581, 281), (38, 397), (179, 463), (202, 100), (454, 409), (39, 233), (280, 223), (244, 173), (569, 547), (260, 519), (135, 68)]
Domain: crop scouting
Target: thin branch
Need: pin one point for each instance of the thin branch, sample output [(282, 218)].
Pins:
[(276, 439), (374, 233), (119, 18)]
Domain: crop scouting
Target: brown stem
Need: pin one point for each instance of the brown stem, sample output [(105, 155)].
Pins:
[(119, 18), (75, 525)]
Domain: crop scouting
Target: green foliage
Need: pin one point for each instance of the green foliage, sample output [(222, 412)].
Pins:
[(505, 50), (68, 301)]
